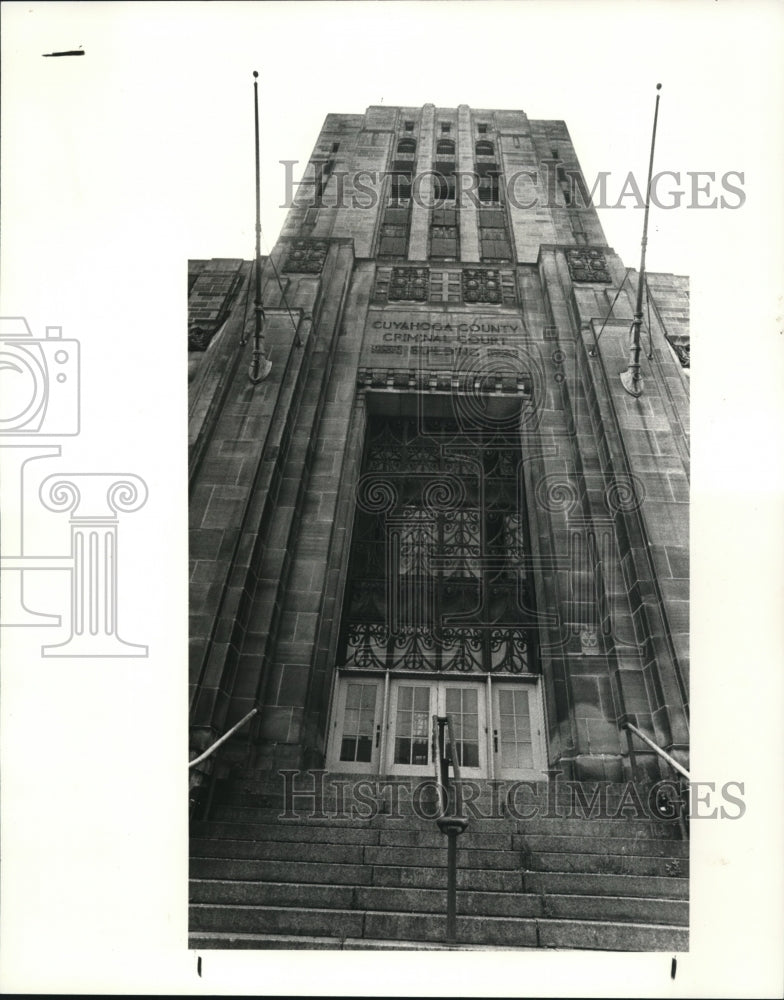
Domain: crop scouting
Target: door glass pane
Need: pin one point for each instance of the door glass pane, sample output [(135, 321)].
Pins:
[(360, 714), (514, 725), (412, 725), (463, 708)]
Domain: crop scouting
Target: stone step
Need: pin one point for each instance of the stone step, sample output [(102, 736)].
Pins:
[(555, 826), (639, 909), (470, 903), (204, 941), (306, 872), (642, 846), (388, 926), (274, 815), (279, 851), (277, 942), (436, 857), (580, 826), (560, 883), (610, 936), (291, 832), (337, 788), (392, 836), (609, 826), (621, 864), (411, 877), (245, 893), (431, 837), (276, 920), (523, 800), (337, 923), (346, 874), (355, 853), (514, 932)]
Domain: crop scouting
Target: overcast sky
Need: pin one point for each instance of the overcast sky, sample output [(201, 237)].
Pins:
[(163, 100)]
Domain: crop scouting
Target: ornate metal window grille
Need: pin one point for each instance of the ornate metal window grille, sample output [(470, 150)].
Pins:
[(468, 285), (409, 284), (437, 579)]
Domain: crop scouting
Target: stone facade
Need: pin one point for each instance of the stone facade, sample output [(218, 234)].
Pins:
[(379, 307)]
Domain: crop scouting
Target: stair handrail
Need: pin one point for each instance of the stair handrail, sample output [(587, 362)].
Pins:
[(657, 749), (437, 766), (211, 749), (683, 777), (454, 823), (444, 754), (452, 757)]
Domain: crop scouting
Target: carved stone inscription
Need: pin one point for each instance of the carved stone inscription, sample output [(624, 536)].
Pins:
[(432, 339)]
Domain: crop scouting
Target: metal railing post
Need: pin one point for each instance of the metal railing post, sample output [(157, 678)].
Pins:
[(200, 805), (657, 749), (454, 824), (632, 755), (451, 885), (683, 776)]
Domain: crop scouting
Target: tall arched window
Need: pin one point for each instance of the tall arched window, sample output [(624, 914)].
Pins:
[(445, 147), (406, 145), (485, 148)]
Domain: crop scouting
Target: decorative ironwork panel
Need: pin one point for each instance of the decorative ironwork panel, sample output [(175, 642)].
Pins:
[(418, 539), (436, 380), (306, 257), (488, 286), (587, 265), (462, 649), (438, 549), (481, 286), (409, 284), (367, 645), (461, 546), (508, 648)]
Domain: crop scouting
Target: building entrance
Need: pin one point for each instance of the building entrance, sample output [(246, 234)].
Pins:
[(384, 725)]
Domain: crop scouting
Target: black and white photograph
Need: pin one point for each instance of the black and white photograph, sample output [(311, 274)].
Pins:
[(379, 574)]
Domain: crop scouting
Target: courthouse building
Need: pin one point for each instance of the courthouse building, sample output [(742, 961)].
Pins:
[(441, 500)]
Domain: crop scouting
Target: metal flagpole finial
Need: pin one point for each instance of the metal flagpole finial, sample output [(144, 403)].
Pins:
[(631, 378), (260, 367)]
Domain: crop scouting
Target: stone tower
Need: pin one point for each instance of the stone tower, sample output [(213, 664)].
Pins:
[(441, 499)]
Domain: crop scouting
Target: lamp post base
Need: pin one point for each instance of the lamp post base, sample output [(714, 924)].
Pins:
[(632, 382), (259, 373)]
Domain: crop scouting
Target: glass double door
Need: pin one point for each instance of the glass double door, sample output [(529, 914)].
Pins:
[(384, 725), (412, 706)]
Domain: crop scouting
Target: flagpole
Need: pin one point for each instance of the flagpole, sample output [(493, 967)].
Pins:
[(631, 378), (260, 367)]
